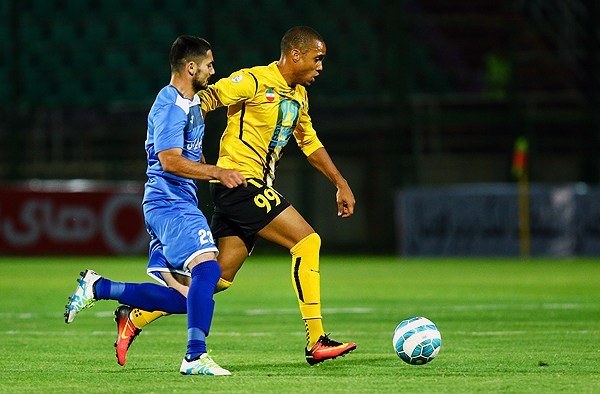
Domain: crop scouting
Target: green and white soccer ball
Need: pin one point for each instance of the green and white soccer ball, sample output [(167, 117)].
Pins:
[(417, 340)]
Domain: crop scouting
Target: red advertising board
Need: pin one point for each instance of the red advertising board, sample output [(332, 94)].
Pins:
[(72, 217)]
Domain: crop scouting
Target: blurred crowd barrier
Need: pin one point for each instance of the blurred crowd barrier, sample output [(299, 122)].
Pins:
[(89, 217), (72, 217), (483, 220)]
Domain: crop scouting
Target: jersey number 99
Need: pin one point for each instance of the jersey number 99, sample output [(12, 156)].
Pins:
[(265, 199)]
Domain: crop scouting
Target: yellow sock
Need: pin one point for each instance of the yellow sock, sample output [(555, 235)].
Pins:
[(314, 329), (141, 318), (306, 280), (222, 284)]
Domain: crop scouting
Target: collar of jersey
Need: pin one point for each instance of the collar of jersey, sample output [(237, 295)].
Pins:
[(193, 101)]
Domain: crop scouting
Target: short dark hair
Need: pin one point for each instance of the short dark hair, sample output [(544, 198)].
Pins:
[(186, 48), (299, 37)]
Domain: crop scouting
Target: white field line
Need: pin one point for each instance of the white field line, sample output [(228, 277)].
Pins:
[(112, 333), (250, 312), (293, 311), (9, 316), (491, 333), (493, 307), (299, 333)]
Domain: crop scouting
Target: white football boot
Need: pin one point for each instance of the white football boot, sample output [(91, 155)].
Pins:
[(83, 296), (203, 365)]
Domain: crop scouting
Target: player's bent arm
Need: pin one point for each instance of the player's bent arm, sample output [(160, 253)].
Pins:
[(173, 162), (321, 160), (239, 86), (345, 198)]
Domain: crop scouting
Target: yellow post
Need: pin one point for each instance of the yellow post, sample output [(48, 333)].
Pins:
[(520, 171), (524, 225)]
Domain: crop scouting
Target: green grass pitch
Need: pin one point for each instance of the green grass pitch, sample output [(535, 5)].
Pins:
[(507, 325)]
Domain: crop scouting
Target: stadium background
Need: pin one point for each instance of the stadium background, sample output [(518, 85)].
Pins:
[(415, 93)]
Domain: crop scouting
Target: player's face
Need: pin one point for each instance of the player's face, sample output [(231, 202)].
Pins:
[(310, 63), (205, 69)]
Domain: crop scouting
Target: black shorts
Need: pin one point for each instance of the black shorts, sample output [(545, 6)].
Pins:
[(244, 211)]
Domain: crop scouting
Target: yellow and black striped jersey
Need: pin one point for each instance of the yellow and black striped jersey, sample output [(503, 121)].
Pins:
[(263, 112)]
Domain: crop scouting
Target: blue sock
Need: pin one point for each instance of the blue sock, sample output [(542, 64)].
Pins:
[(196, 343), (200, 305), (105, 289), (146, 296), (153, 297)]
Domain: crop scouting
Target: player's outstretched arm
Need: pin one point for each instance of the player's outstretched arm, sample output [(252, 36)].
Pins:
[(173, 162), (344, 197)]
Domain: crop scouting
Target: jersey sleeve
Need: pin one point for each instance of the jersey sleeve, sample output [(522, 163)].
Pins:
[(239, 86), (305, 134), (169, 122)]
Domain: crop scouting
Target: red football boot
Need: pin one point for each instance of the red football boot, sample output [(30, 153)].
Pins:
[(126, 332), (326, 348)]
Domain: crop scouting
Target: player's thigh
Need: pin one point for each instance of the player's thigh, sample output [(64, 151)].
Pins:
[(287, 229), (244, 211), (182, 231), (232, 254), (159, 267), (178, 282)]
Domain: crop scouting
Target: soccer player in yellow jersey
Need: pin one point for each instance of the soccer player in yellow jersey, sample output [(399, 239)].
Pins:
[(266, 106)]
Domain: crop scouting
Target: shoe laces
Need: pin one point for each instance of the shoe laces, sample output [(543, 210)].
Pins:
[(209, 362), (326, 341)]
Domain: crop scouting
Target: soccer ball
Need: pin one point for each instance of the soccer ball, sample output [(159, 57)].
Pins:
[(417, 340)]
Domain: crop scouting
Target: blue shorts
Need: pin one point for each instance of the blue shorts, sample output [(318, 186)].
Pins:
[(178, 233), (157, 263)]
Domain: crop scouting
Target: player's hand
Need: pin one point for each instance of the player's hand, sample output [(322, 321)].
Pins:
[(230, 178), (345, 201)]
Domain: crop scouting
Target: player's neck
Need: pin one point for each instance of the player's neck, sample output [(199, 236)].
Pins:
[(283, 65), (183, 86)]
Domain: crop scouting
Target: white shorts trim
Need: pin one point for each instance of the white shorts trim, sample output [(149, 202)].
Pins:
[(151, 273), (198, 253)]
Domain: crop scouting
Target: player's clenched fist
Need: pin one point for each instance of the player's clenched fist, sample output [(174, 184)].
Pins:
[(230, 178)]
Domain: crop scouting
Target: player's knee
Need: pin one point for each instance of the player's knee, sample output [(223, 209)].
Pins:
[(201, 259), (316, 239), (311, 242)]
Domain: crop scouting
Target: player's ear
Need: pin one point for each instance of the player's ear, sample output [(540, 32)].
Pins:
[(295, 55), (191, 68)]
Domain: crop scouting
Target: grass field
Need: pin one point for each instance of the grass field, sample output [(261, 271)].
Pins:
[(507, 326)]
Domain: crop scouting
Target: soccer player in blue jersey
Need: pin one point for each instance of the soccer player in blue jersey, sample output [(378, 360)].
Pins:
[(177, 228)]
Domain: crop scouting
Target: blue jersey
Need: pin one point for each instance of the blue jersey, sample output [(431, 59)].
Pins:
[(173, 122)]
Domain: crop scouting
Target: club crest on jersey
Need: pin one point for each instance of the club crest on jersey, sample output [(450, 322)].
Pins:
[(236, 78), (270, 95)]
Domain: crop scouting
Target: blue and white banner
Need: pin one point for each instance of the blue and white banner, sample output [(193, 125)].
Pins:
[(482, 220)]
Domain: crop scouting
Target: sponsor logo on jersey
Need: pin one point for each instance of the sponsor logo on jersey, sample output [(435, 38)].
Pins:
[(192, 145), (236, 78), (270, 95)]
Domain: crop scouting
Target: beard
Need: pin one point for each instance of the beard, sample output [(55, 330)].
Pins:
[(199, 85)]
